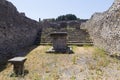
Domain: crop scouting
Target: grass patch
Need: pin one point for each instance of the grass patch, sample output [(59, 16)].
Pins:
[(87, 45), (101, 57), (99, 53), (73, 78), (43, 66), (99, 60), (74, 59), (74, 48)]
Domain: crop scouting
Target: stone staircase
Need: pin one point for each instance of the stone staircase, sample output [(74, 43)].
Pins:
[(75, 35)]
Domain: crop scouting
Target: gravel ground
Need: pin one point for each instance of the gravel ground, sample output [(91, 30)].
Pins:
[(86, 63)]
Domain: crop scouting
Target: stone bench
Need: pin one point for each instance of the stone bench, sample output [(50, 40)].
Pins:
[(18, 64)]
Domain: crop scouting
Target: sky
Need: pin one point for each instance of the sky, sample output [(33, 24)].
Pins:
[(44, 9)]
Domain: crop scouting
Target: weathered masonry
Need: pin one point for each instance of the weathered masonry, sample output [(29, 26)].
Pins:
[(59, 40)]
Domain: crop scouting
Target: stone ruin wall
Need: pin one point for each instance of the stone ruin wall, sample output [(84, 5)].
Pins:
[(75, 33), (16, 31), (104, 29)]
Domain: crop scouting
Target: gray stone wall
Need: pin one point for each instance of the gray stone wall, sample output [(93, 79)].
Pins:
[(73, 28), (104, 29), (16, 31)]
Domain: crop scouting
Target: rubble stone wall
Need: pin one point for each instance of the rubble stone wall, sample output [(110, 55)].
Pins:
[(104, 29), (16, 31)]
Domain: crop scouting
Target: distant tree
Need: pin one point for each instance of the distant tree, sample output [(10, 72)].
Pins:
[(71, 17), (60, 18), (66, 17)]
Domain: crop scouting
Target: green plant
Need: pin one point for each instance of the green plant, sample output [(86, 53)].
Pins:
[(74, 48), (86, 45), (99, 72), (101, 57), (73, 78), (37, 77), (99, 53), (74, 59), (103, 62)]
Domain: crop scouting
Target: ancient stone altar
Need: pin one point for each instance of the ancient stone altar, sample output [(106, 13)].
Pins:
[(59, 41)]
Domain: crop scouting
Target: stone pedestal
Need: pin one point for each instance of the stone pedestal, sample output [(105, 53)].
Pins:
[(18, 65), (59, 41)]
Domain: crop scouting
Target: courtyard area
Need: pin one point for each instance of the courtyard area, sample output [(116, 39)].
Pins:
[(86, 63)]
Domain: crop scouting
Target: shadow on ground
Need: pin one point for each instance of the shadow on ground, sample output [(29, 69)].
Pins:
[(3, 66), (23, 75), (23, 52), (20, 53)]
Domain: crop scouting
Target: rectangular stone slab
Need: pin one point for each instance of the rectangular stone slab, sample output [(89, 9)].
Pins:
[(17, 59)]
